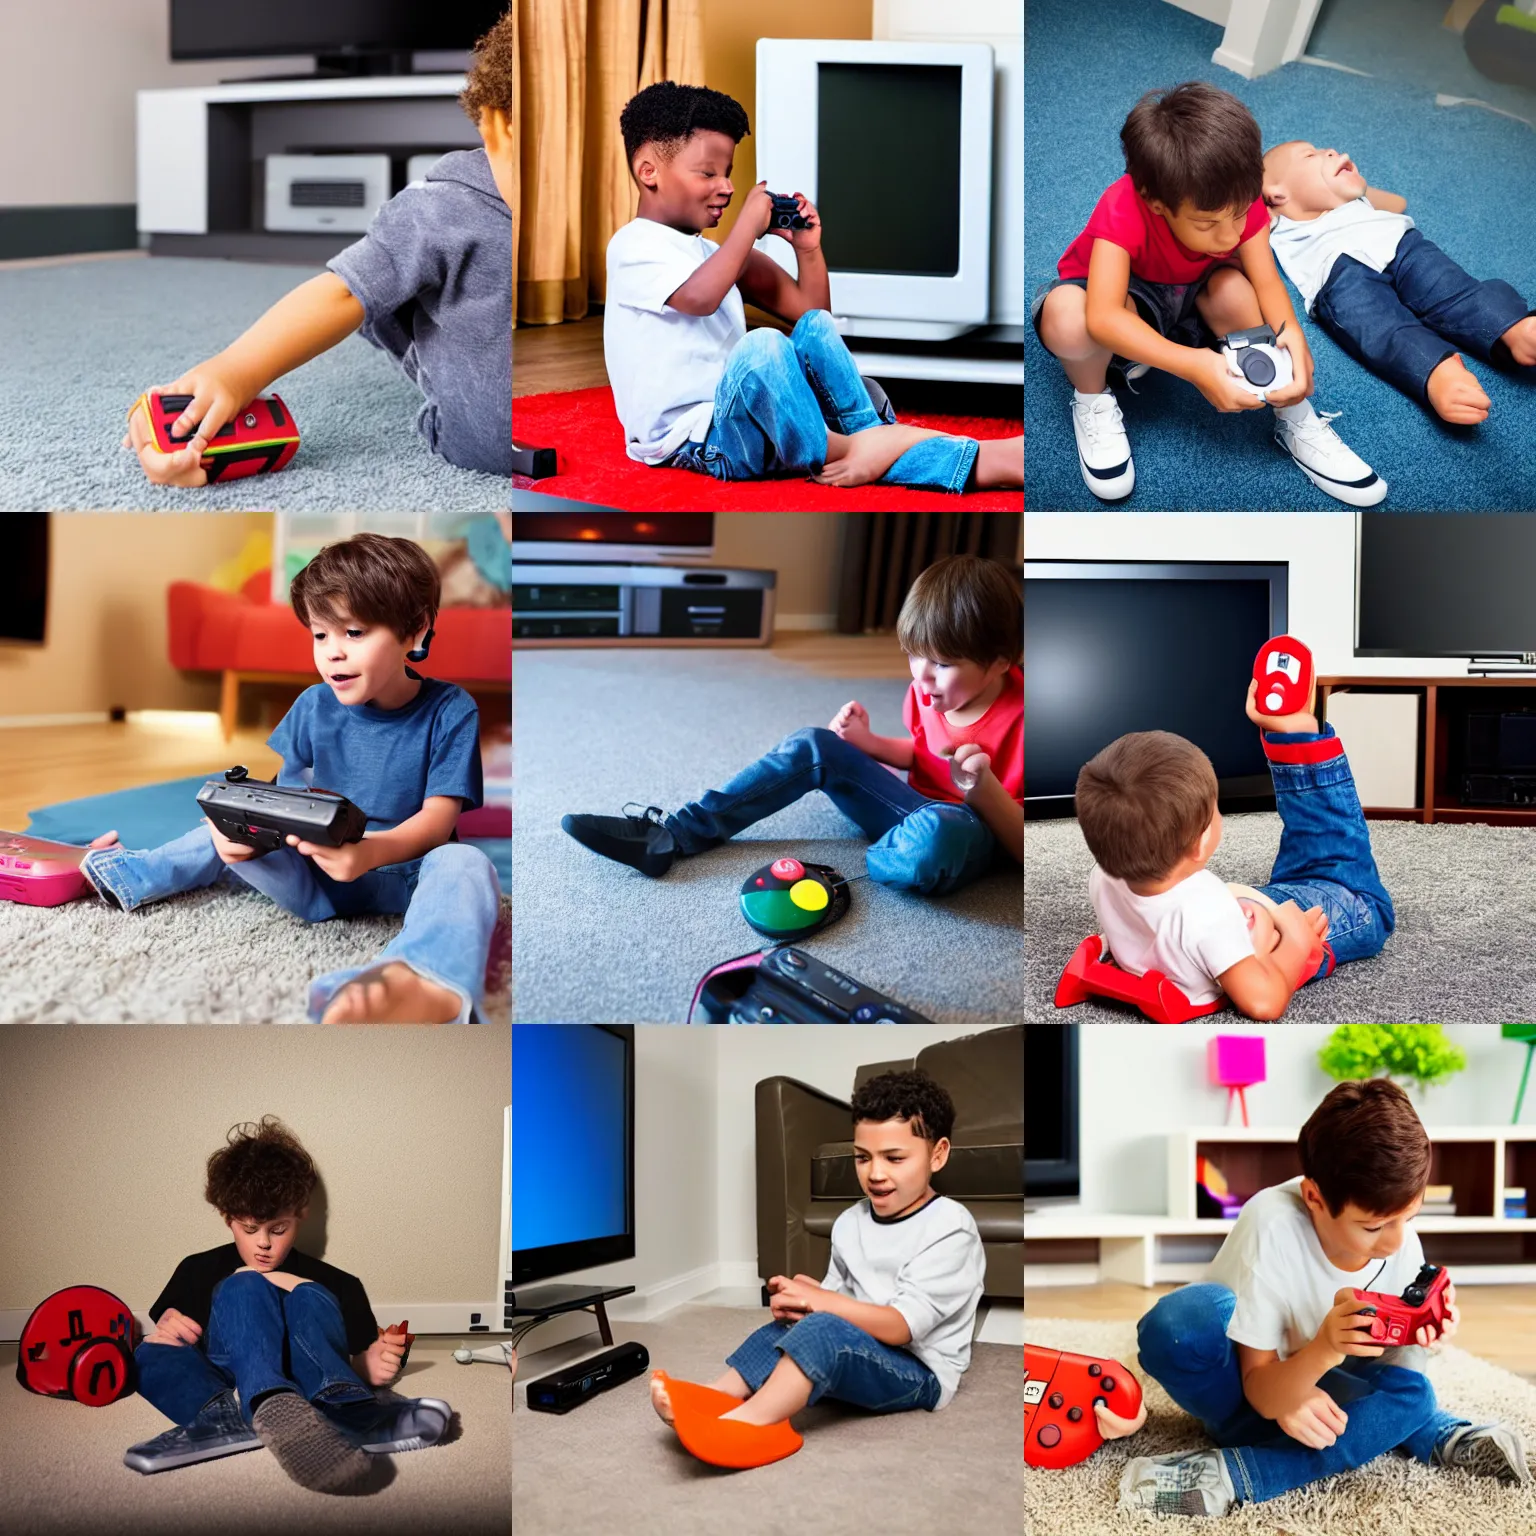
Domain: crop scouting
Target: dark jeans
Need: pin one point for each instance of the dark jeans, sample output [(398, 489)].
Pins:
[(1183, 1344), (842, 1361), (1404, 322)]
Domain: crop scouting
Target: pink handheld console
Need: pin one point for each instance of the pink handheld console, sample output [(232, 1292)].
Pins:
[(1060, 1390), (1395, 1319), (38, 873), (1283, 670)]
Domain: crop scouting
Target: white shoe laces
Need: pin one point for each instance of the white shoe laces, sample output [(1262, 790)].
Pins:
[(1100, 419), (1318, 428)]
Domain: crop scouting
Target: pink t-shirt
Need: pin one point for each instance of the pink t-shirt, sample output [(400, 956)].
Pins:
[(999, 733), (1124, 219)]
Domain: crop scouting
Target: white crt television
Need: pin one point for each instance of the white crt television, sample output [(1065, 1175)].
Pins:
[(893, 144)]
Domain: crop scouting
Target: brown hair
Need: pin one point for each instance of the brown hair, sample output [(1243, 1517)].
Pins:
[(1365, 1146), (1143, 802), (1194, 144), (492, 83), (376, 579), (963, 608), (261, 1172)]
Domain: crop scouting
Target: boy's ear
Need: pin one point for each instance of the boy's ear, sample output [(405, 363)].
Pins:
[(1274, 194)]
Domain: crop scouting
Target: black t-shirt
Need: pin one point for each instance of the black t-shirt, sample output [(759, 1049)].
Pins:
[(190, 1291)]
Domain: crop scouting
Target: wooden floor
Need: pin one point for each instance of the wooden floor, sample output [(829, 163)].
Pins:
[(551, 357)]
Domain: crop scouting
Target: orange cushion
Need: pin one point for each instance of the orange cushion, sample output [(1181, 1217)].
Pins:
[(723, 1442)]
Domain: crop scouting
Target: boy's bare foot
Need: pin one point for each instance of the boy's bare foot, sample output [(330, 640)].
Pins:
[(862, 458), (1520, 338), (1455, 394), (395, 995), (1000, 464), (1301, 720), (660, 1400)]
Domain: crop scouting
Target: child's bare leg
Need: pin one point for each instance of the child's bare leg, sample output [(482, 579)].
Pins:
[(395, 995), (1000, 463), (733, 1382), (784, 1394), (1520, 338), (1455, 395), (730, 1382), (865, 456), (1228, 302), (1064, 330)]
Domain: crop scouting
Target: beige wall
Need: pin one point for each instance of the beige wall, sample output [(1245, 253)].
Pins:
[(803, 547), (104, 1133), (106, 645)]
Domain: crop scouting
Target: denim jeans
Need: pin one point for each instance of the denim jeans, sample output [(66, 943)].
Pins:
[(779, 395), (917, 844), (450, 898), (1325, 857), (842, 1361), (260, 1338), (1404, 322), (1183, 1344)]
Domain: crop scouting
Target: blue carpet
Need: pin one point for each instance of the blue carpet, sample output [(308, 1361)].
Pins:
[(154, 814), (1464, 172)]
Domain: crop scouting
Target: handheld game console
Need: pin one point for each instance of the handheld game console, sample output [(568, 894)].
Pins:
[(1060, 1390), (263, 815), (258, 439), (786, 213), (788, 986), (1254, 357), (1396, 1319), (1283, 670), (789, 899), (38, 873)]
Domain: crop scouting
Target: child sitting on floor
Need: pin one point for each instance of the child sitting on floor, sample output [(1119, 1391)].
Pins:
[(1147, 808), (888, 1329), (693, 390)]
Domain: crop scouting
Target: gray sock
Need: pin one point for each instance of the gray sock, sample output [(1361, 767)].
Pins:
[(308, 1447)]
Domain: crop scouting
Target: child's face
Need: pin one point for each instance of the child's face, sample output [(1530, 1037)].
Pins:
[(953, 684), (359, 661), (1355, 1238), (1211, 234), (264, 1244), (500, 149), (1302, 180), (894, 1164), (693, 188)]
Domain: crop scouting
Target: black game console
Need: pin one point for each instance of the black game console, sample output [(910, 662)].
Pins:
[(788, 986), (533, 463), (263, 815), (574, 1385), (786, 214)]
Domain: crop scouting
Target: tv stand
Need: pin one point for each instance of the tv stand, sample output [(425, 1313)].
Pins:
[(542, 1302), (342, 66), (985, 354)]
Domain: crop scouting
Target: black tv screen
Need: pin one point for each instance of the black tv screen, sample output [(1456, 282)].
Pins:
[(1051, 1163), (24, 559), (211, 29), (1445, 584)]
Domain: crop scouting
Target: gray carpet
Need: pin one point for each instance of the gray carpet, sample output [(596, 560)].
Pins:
[(225, 955), (1464, 950), (595, 941), (84, 339), (614, 1466)]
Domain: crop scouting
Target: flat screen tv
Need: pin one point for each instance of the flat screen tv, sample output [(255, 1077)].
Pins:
[(24, 559), (1118, 646), (1051, 1168), (612, 538), (336, 29), (1445, 584)]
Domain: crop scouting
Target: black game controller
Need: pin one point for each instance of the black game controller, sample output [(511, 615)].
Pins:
[(263, 815), (788, 986), (786, 213)]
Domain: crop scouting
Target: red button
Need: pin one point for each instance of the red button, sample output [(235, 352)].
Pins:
[(788, 869)]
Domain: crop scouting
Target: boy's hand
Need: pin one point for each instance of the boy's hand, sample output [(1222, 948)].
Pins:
[(1318, 1422), (185, 467), (1427, 1338), (757, 211), (851, 722), (383, 1359), (1211, 376), (174, 1328), (1294, 342), (344, 864), (1344, 1331), (1301, 936), (218, 392), (790, 1300), (808, 239), (229, 851), (969, 766), (1113, 1427)]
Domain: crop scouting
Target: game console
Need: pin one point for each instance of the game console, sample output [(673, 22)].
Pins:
[(259, 439), (311, 194), (1396, 1319), (788, 986), (1060, 1391), (786, 213), (1254, 357), (789, 899), (38, 873), (573, 1385), (263, 815), (1283, 670)]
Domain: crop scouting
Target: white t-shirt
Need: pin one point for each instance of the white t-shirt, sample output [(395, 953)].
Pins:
[(1273, 1263), (663, 365), (1191, 933), (929, 1266), (1307, 249)]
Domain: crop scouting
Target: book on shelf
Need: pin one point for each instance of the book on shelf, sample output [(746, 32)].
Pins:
[(1514, 1202), (1435, 1194), (1438, 1208)]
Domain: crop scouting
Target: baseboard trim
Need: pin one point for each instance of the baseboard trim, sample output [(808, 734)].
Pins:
[(89, 717), (67, 231)]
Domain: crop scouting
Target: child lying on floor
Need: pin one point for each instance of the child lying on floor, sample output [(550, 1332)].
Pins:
[(692, 389), (1388, 296), (888, 1329), (1147, 808), (403, 748), (428, 284), (257, 1342)]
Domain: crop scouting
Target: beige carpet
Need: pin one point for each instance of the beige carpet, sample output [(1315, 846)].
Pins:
[(1390, 1497), (64, 1473), (613, 1466)]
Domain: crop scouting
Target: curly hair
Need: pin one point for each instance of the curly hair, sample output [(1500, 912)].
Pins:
[(261, 1172), (377, 579), (668, 115), (911, 1096), (492, 83)]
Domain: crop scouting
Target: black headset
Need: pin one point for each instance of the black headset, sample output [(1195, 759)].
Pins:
[(420, 653)]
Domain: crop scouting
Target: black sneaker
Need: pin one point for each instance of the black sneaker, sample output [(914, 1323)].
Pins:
[(218, 1430), (639, 841)]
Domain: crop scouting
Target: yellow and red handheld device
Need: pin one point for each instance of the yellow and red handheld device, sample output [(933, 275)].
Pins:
[(258, 439)]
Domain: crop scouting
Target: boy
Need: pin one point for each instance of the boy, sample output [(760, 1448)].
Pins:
[(428, 284), (403, 748), (292, 1337), (1174, 256), (691, 388), (1388, 296), (961, 810), (888, 1329), (1271, 1353), (1147, 808)]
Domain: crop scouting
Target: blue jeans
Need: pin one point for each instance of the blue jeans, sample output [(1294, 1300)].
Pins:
[(450, 898), (1183, 1344), (842, 1361), (1404, 322), (779, 395), (916, 844), (260, 1338), (1325, 857)]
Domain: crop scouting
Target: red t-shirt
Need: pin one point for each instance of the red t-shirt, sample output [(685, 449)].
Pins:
[(999, 733), (1124, 219)]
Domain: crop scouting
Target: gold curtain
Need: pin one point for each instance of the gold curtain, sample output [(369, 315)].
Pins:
[(577, 63)]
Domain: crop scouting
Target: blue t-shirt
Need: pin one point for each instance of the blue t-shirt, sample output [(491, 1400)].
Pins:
[(387, 762)]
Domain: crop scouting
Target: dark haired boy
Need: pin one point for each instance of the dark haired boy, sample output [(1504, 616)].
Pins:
[(403, 748), (1175, 255), (692, 389), (1272, 1354), (258, 1343), (428, 284), (889, 1327), (960, 811)]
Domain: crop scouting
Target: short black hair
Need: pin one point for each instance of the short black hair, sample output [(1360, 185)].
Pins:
[(911, 1096), (668, 115)]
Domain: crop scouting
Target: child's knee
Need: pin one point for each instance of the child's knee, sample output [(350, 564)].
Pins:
[(460, 859), (814, 326), (1064, 318), (764, 350), (929, 851), (1186, 1327), (241, 1290)]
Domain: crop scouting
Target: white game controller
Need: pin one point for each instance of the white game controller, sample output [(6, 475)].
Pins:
[(1254, 357)]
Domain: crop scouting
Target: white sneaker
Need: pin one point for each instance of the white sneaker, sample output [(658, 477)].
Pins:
[(1321, 455), (1103, 449)]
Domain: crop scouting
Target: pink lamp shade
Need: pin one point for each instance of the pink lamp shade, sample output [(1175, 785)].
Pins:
[(1236, 1063)]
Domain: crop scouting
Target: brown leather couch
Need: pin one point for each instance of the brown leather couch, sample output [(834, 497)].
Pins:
[(805, 1172)]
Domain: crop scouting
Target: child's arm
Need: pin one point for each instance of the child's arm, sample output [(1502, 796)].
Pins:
[(765, 283), (1258, 264), (709, 283), (803, 1295), (851, 722), (417, 835), (1261, 986), (1386, 202), (970, 770)]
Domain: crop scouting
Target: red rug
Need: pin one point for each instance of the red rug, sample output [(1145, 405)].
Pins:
[(581, 426)]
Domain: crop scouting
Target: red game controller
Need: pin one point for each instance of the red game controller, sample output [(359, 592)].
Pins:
[(399, 1329), (258, 439), (1283, 670), (1060, 1390), (1396, 1319)]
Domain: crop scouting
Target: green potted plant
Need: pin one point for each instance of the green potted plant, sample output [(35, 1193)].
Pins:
[(1415, 1053)]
